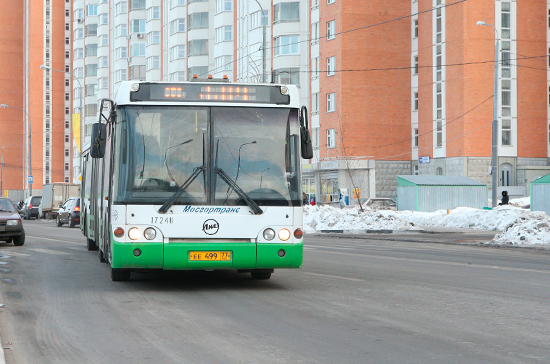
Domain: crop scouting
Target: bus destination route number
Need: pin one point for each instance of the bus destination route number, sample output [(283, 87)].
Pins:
[(162, 220), (210, 256)]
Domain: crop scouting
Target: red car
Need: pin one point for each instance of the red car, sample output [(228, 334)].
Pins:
[(11, 227)]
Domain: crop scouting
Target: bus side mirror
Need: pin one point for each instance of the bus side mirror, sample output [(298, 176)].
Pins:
[(305, 137), (99, 137), (306, 146)]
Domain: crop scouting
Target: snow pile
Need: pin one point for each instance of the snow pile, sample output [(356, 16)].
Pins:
[(465, 218), (317, 218), (519, 226), (531, 227)]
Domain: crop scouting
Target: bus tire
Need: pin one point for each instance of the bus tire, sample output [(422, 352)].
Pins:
[(260, 275), (119, 275), (91, 245)]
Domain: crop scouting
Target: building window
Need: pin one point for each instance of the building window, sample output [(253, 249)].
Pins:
[(91, 50), (91, 109), (153, 13), (224, 34), (91, 10), (104, 40), (91, 29), (91, 90), (223, 63), (121, 52), (506, 132), (121, 75), (439, 171), (415, 137), (315, 103), (286, 12), (331, 138), (137, 4), (177, 52), (287, 76), (330, 102), (330, 2), (121, 8), (103, 18), (121, 30), (439, 133), (79, 33), (153, 62), (153, 38), (138, 26), (415, 101), (103, 82), (314, 33), (415, 30), (257, 20), (177, 25), (91, 70), (415, 170), (415, 65), (200, 71), (315, 68), (198, 20), (198, 47), (137, 72), (137, 50), (287, 45), (331, 66), (223, 5), (331, 29)]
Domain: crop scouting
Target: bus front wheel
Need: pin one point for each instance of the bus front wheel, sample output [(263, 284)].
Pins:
[(119, 275), (260, 275)]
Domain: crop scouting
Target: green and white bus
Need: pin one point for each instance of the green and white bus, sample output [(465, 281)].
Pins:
[(199, 175)]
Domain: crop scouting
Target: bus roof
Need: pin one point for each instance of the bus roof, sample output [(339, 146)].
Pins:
[(207, 93)]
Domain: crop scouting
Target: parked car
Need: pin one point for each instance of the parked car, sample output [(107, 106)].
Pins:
[(380, 203), (30, 209), (11, 227), (69, 212)]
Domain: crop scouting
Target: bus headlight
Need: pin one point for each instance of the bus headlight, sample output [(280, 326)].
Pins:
[(134, 233), (284, 234), (269, 234), (150, 233)]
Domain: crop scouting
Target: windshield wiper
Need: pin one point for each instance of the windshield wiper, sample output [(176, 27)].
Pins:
[(250, 202), (192, 177), (170, 202)]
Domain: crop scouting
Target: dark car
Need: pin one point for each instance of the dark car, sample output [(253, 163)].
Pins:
[(69, 212), (30, 209), (11, 227)]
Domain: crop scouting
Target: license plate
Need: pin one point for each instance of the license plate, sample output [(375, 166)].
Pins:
[(209, 256)]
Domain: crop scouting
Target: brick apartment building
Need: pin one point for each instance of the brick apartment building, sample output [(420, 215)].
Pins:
[(405, 80), (29, 37)]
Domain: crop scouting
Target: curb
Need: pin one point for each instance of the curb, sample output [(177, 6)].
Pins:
[(383, 231)]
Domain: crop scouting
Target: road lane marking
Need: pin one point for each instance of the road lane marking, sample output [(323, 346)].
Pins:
[(378, 257), (337, 277), (58, 240), (47, 251)]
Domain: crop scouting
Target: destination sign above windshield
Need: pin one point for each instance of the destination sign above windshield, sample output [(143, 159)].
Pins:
[(203, 92)]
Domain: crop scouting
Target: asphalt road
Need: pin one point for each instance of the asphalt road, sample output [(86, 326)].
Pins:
[(366, 300)]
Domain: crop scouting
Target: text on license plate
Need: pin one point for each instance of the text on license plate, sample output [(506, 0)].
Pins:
[(209, 256)]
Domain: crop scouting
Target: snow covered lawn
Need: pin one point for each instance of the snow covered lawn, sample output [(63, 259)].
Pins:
[(518, 225)]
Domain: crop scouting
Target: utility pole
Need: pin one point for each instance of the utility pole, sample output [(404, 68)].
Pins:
[(29, 147), (264, 48), (494, 159)]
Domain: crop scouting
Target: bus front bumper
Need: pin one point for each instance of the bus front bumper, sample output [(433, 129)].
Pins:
[(180, 256)]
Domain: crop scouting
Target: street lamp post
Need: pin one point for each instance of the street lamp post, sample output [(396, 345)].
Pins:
[(82, 124), (29, 146), (263, 46), (494, 161)]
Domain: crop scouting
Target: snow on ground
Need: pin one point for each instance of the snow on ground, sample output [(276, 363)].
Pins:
[(517, 225)]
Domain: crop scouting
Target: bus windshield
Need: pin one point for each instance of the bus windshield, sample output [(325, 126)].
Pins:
[(179, 153)]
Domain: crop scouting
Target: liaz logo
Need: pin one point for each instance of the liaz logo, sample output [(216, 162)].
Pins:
[(210, 227)]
